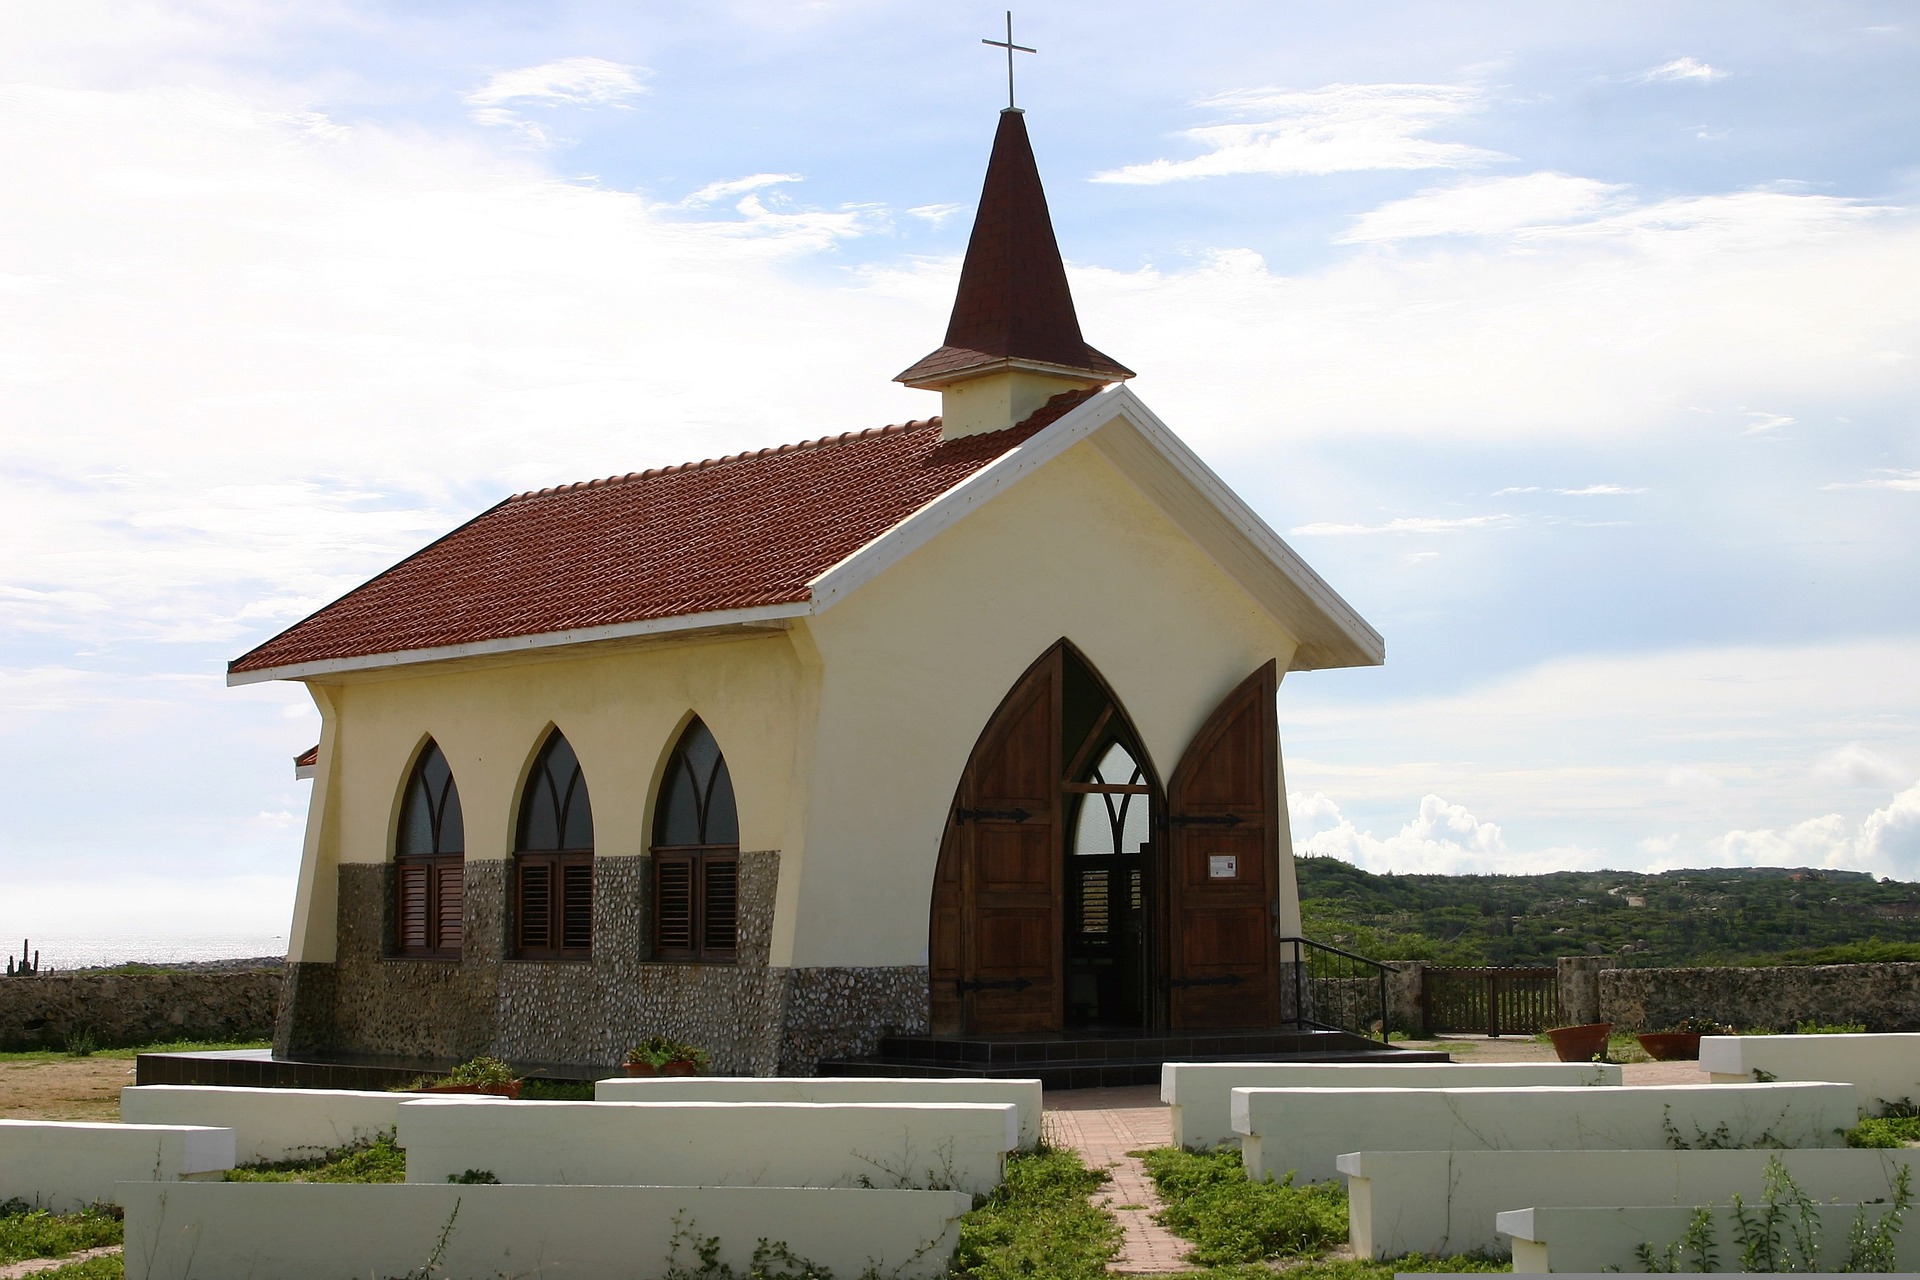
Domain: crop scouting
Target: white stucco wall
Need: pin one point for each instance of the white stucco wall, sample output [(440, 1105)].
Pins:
[(1885, 1067), (622, 711), (268, 1124), (64, 1166), (1022, 1095), (915, 663)]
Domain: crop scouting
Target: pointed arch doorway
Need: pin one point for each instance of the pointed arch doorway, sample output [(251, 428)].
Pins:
[(1071, 896)]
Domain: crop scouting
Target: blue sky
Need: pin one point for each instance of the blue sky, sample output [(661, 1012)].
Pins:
[(1577, 348)]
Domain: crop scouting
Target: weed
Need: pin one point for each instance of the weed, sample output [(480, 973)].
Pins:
[(1695, 1245), (81, 1044), (1885, 1131), (35, 1233), (1783, 1232), (376, 1160), (108, 1266), (475, 1177), (772, 1260), (1038, 1222), (1829, 1028), (1210, 1201), (557, 1090)]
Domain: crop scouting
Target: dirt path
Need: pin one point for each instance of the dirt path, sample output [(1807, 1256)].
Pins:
[(33, 1266), (63, 1088)]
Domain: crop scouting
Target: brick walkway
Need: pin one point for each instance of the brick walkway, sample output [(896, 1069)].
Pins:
[(1103, 1125)]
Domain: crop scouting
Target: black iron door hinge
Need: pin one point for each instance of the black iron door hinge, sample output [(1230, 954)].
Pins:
[(963, 816)]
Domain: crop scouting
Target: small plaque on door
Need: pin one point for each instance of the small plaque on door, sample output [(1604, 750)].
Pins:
[(1223, 866)]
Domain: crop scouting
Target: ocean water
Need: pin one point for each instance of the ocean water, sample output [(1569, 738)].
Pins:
[(62, 952)]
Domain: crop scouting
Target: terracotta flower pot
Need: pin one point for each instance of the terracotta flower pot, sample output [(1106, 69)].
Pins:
[(1670, 1046), (1583, 1043), (681, 1068), (508, 1090), (639, 1069)]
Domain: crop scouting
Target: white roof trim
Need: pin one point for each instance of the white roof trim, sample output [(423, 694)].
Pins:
[(1114, 403), (523, 644)]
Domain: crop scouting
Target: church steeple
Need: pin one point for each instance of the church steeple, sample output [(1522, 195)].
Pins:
[(1014, 340)]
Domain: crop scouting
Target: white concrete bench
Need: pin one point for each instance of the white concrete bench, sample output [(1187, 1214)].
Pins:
[(1305, 1129), (959, 1145), (312, 1231), (1199, 1092), (1884, 1068), (1444, 1202), (1604, 1239), (66, 1166), (269, 1124), (1023, 1094)]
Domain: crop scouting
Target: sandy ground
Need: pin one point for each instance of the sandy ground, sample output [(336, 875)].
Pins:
[(64, 1088)]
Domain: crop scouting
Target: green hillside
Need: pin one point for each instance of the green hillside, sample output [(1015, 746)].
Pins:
[(1749, 915)]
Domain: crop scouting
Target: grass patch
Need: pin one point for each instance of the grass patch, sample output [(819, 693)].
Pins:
[(169, 1046), (1038, 1222), (35, 1233), (109, 1267), (1886, 1131), (1230, 1219), (376, 1161), (557, 1090)]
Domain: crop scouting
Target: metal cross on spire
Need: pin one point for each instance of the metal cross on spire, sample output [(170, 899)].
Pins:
[(1009, 46)]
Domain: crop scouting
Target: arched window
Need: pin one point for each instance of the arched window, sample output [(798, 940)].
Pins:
[(553, 859), (696, 854), (429, 879)]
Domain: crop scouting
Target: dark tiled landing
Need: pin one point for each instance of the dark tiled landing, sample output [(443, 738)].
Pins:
[(1084, 1061)]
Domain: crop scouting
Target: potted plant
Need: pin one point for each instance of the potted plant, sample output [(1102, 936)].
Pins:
[(477, 1075), (1583, 1043), (665, 1056), (1681, 1042)]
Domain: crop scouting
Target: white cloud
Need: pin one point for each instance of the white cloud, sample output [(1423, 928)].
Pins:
[(1855, 765), (714, 192), (1710, 746), (1883, 478), (578, 82), (1441, 839), (1405, 524), (1599, 491), (1339, 128), (1487, 206), (1683, 69), (1764, 422), (936, 214)]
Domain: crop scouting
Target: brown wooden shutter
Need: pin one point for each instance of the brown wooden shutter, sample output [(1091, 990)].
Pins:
[(535, 914), (719, 906), (1223, 865), (410, 906), (1006, 825), (673, 906), (449, 901), (576, 904)]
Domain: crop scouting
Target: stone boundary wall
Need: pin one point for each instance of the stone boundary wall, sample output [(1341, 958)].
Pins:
[(1885, 997), (116, 1009)]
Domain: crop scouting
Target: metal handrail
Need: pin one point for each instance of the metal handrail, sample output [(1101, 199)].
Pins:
[(1300, 977)]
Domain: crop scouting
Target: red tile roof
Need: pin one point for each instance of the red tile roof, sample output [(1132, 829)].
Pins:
[(728, 533), (1013, 301)]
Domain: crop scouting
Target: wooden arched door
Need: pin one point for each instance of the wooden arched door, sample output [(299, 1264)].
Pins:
[(1222, 872), (994, 957)]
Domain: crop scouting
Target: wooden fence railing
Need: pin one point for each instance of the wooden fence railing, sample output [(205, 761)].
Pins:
[(1490, 1001)]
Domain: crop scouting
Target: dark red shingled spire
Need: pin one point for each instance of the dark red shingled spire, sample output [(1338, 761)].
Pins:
[(1013, 302)]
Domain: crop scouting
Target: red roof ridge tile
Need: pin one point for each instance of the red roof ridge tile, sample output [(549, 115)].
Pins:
[(745, 455)]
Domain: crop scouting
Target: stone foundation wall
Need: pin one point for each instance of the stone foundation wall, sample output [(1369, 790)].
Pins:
[(50, 1011), (1886, 997), (754, 1019)]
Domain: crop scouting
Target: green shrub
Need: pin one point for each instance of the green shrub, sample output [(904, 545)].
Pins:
[(1038, 1222), (481, 1070), (379, 1160), (1210, 1201), (1885, 1131), (106, 1267), (35, 1233)]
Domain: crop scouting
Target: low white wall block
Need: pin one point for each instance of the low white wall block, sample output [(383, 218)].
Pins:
[(1305, 1129), (1199, 1092), (1604, 1239), (65, 1167), (311, 1231), (1884, 1068), (1023, 1094), (1444, 1202), (268, 1124), (959, 1145)]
